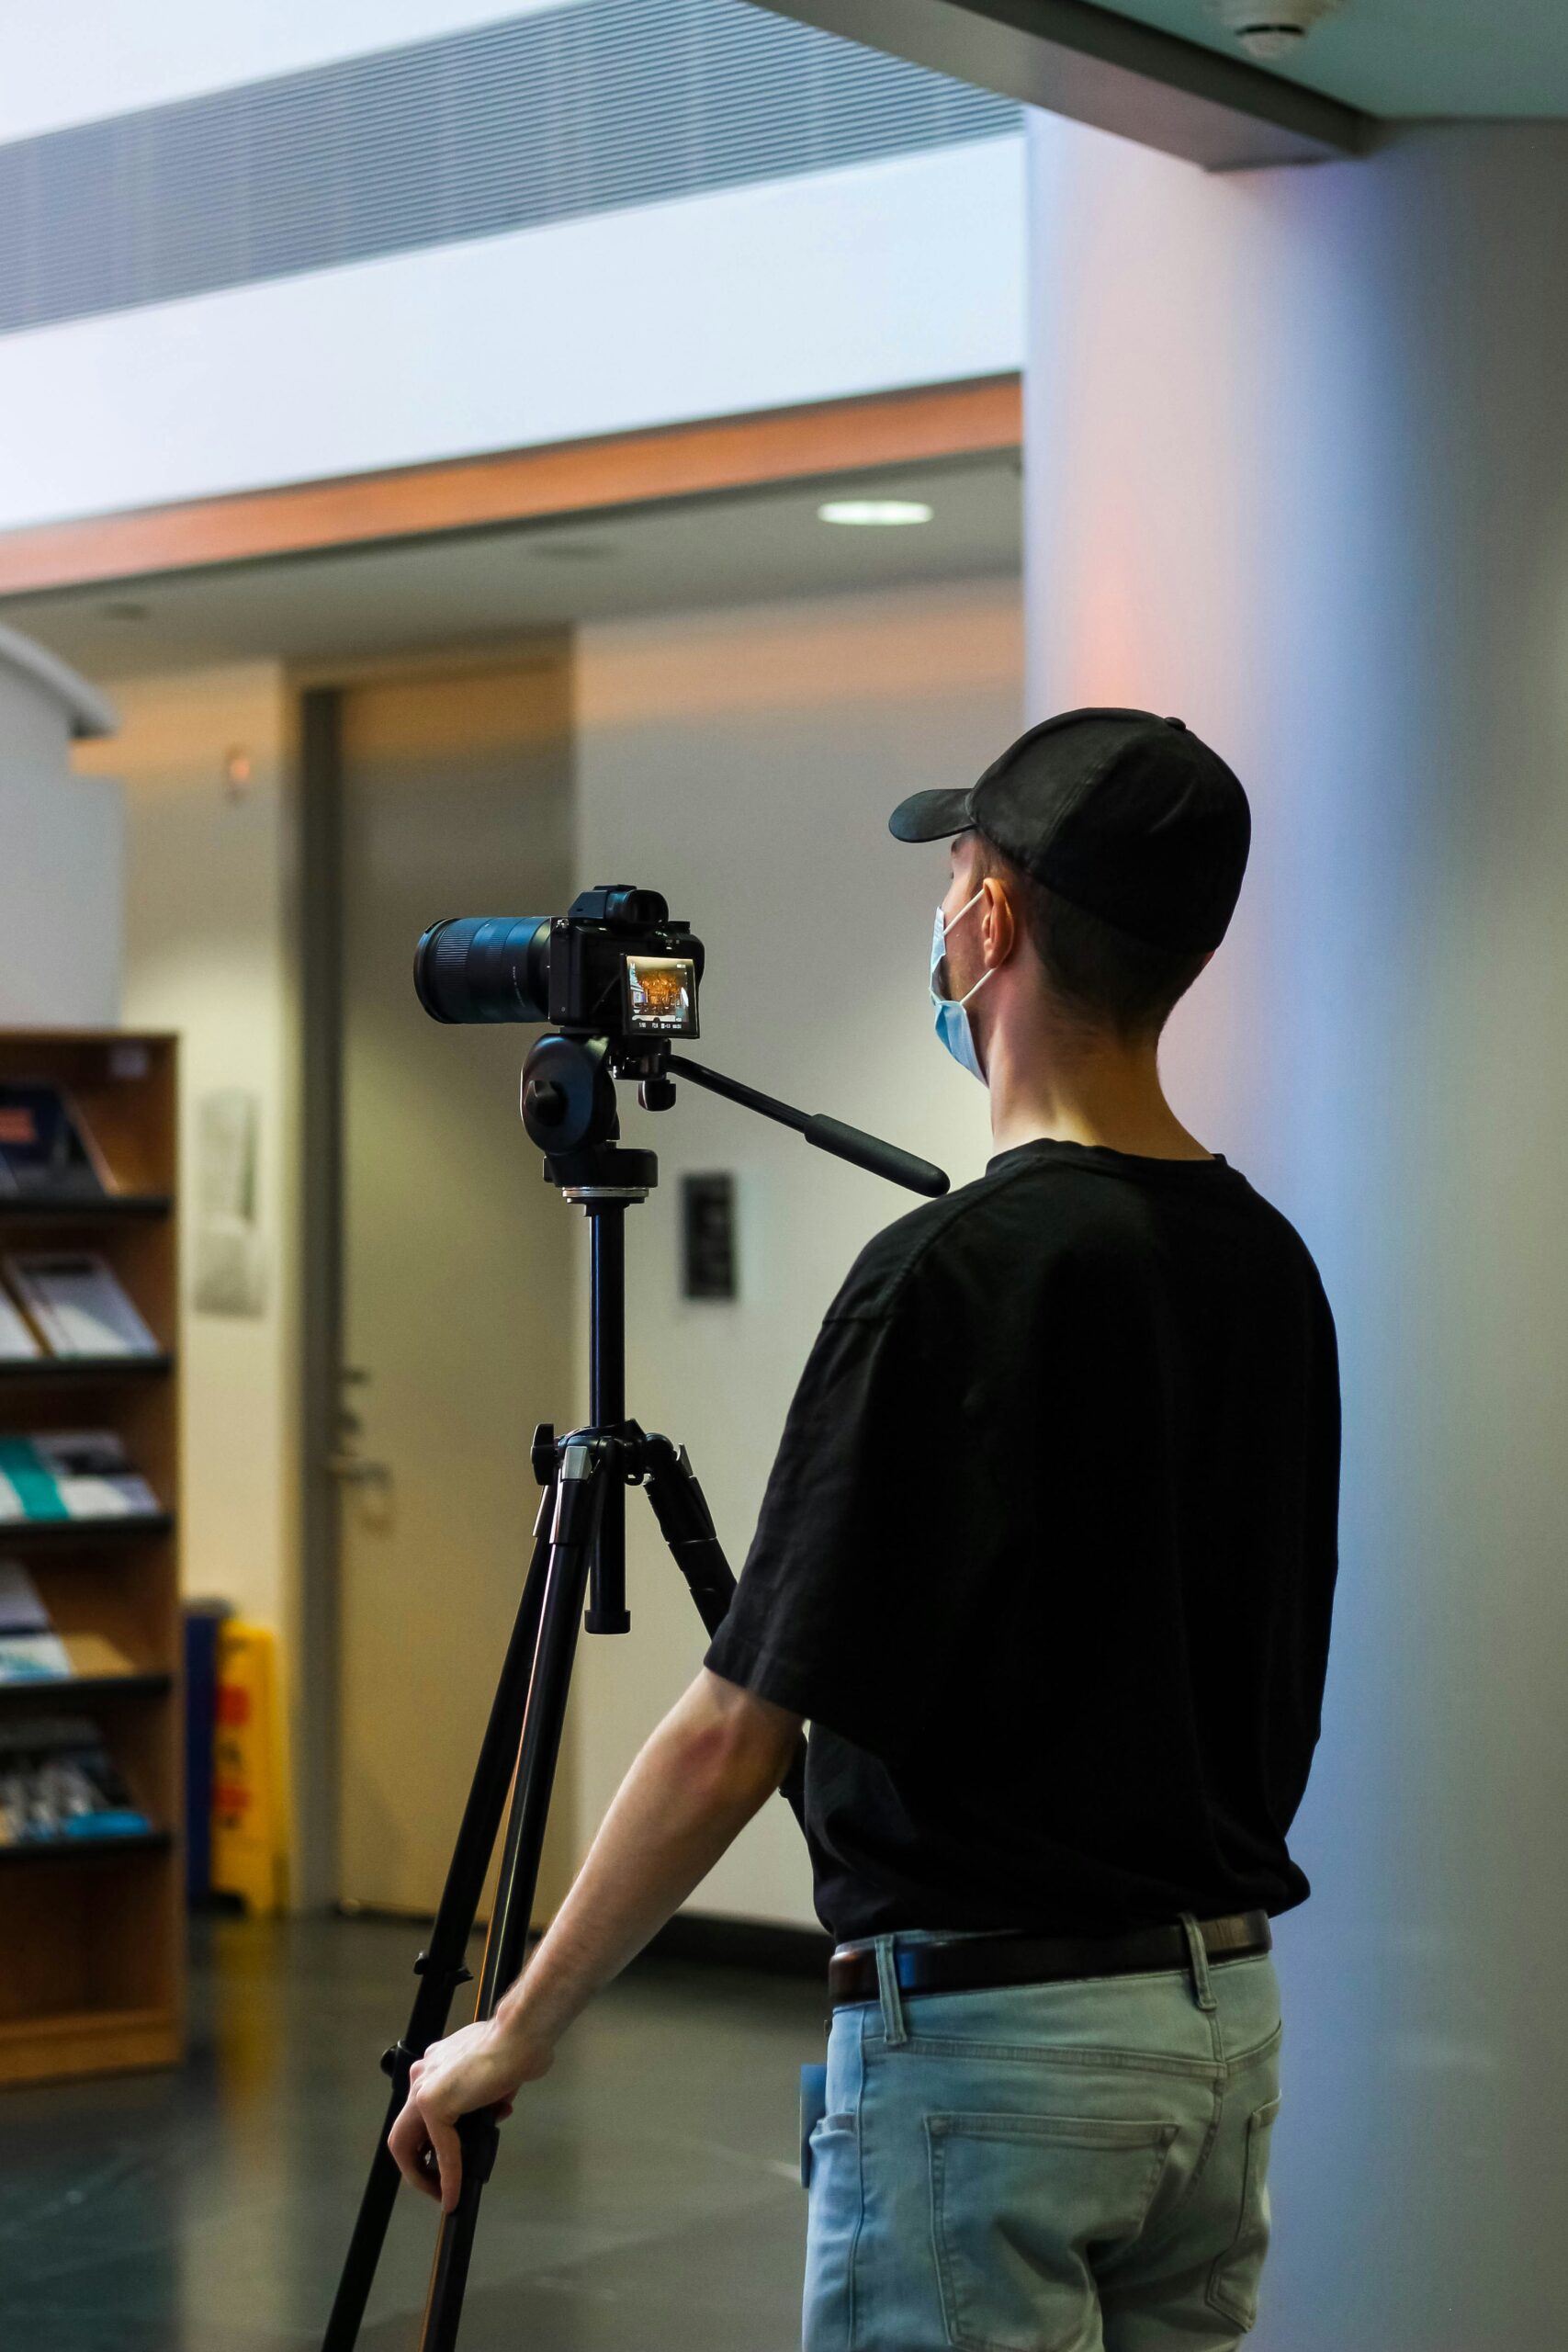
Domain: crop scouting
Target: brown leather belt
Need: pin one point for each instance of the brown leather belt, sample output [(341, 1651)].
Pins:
[(973, 1963)]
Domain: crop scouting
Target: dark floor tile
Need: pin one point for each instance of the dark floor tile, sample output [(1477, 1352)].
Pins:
[(645, 2195)]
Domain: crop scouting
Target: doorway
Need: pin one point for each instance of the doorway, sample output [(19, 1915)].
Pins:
[(447, 1281)]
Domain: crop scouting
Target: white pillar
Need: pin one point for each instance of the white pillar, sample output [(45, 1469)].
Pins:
[(1298, 470), (62, 852)]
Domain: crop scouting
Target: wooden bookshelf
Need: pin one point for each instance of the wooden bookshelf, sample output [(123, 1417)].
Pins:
[(91, 1973)]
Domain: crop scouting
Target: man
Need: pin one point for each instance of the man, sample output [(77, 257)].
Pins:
[(1047, 1559)]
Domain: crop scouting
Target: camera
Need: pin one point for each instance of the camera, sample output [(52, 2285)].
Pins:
[(615, 981), (612, 967)]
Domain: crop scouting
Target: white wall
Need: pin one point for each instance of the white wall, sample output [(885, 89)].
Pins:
[(210, 953), (745, 764), (908, 271), (1296, 470), (60, 870)]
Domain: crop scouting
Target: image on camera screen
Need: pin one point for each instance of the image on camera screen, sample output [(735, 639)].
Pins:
[(661, 995)]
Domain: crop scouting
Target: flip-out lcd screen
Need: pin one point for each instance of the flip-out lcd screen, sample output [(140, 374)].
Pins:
[(662, 996)]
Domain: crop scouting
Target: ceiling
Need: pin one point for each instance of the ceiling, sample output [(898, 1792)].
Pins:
[(743, 548), (1410, 57)]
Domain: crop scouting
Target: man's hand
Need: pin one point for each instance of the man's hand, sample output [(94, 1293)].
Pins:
[(481, 2065), (714, 1760)]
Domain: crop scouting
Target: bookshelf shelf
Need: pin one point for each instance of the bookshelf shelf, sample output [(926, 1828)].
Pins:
[(73, 1534), (92, 1956), (66, 1689), (113, 1208), (40, 1852)]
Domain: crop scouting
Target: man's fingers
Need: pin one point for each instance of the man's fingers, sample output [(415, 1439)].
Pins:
[(449, 2158), (408, 2143)]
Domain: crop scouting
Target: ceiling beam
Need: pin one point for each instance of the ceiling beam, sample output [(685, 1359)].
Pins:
[(708, 457), (1073, 57)]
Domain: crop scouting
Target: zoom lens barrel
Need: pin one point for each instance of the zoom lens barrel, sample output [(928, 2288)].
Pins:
[(485, 968)]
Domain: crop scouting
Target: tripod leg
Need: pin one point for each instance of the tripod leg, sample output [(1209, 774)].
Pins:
[(686, 1524), (586, 1465), (441, 1968)]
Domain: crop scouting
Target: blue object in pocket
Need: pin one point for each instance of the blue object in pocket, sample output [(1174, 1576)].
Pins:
[(813, 2107)]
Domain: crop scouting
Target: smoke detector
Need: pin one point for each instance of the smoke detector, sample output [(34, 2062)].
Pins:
[(1268, 29)]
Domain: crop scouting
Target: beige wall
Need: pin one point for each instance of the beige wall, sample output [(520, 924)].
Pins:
[(745, 762), (208, 952)]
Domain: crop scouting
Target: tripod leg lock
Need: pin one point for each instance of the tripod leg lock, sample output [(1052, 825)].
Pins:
[(449, 1978), (394, 2065)]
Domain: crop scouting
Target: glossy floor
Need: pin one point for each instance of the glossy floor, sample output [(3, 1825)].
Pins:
[(647, 2195)]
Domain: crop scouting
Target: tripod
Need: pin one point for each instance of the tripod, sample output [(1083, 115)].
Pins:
[(569, 1106)]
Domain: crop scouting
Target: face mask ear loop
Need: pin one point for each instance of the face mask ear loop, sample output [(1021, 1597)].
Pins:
[(975, 990), (946, 923)]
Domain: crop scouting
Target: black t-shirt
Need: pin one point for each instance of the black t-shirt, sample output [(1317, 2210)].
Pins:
[(1047, 1555)]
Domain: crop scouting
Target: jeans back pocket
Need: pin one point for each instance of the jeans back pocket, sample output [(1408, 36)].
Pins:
[(1234, 2278), (1017, 2200)]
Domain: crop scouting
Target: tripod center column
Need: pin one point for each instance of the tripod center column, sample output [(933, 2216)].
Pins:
[(608, 1330), (607, 1611)]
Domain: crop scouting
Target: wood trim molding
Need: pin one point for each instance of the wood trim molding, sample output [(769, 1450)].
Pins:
[(466, 494)]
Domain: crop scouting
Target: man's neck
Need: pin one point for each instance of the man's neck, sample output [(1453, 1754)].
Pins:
[(1074, 1090)]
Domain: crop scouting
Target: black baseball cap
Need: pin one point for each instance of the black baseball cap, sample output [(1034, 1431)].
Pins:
[(1126, 815)]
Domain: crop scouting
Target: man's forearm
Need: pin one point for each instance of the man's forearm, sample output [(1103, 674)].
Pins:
[(688, 1796)]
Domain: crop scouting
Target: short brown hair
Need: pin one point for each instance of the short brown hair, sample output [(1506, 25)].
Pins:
[(1100, 976)]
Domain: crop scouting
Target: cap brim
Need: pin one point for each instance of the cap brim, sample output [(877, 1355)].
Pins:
[(930, 817)]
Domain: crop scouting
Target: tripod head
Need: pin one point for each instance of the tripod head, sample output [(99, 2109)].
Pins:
[(568, 1107), (570, 1111)]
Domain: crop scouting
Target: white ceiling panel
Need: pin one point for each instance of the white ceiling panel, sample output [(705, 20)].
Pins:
[(492, 584)]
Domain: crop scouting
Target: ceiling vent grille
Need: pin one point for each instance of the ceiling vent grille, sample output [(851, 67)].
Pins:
[(589, 108)]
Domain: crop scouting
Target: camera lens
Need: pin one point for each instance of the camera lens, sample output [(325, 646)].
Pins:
[(485, 968)]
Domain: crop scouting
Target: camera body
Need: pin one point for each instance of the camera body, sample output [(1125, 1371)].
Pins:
[(614, 966)]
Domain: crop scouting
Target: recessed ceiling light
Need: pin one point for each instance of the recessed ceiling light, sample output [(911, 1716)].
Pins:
[(873, 511), (574, 550)]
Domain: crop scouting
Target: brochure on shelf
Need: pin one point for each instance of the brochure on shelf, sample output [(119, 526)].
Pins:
[(75, 1300), (47, 1149), (30, 1649), (71, 1473), (18, 1340), (58, 1780), (34, 1657)]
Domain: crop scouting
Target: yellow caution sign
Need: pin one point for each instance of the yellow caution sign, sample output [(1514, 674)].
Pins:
[(247, 1770)]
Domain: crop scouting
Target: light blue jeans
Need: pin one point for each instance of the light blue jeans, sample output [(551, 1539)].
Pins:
[(1069, 2167)]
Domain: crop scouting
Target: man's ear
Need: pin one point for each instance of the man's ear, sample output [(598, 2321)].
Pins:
[(1004, 919)]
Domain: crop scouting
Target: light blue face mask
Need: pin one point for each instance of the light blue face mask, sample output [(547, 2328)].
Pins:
[(949, 1014)]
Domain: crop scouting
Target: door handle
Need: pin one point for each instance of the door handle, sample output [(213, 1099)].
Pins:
[(353, 1470)]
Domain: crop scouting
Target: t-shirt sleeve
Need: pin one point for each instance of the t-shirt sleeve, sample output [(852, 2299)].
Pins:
[(815, 1624)]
